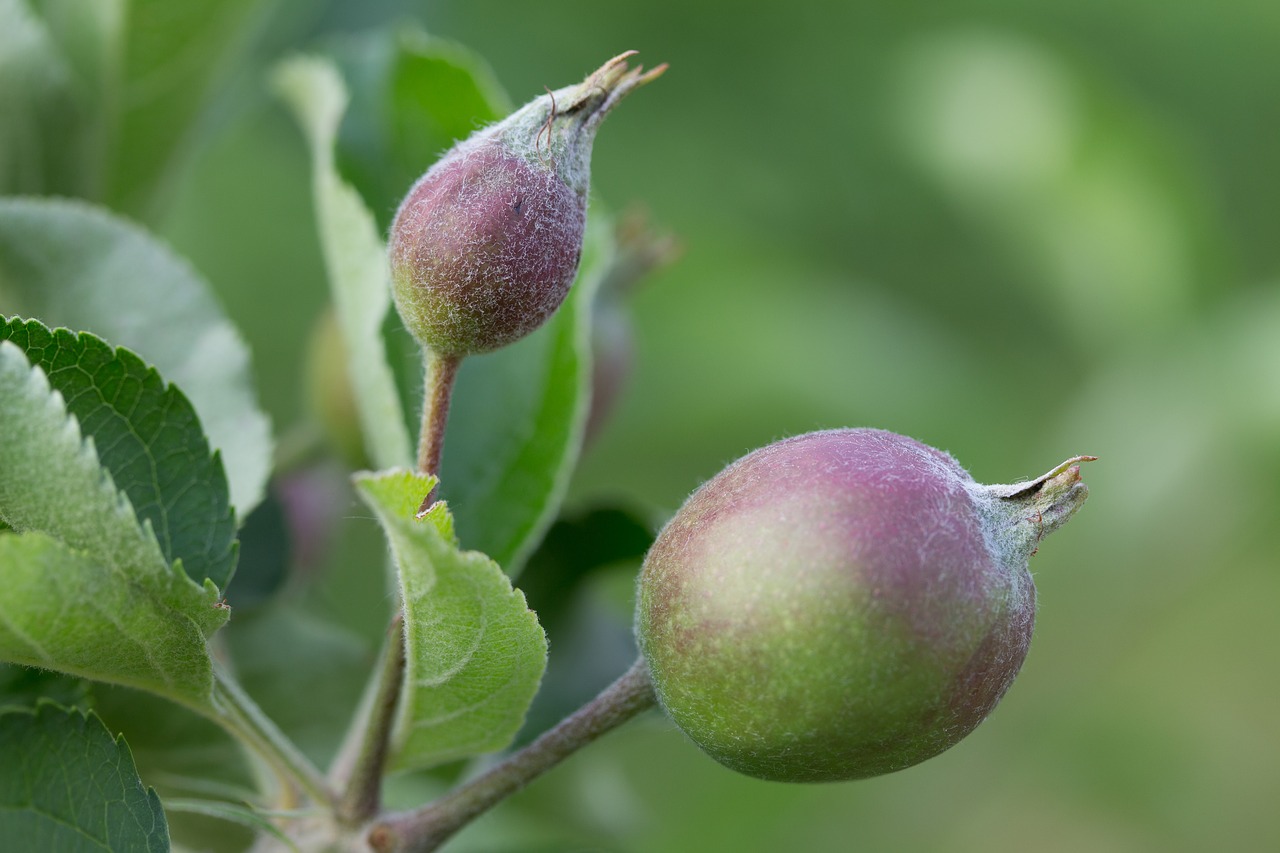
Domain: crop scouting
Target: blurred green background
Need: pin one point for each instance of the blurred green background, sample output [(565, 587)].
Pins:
[(1015, 231)]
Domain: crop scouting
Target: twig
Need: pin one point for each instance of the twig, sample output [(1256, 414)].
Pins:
[(427, 828)]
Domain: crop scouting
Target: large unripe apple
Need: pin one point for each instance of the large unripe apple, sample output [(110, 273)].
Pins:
[(844, 603)]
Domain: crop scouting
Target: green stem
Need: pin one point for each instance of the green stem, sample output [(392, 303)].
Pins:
[(427, 828), (240, 716), (441, 370), (362, 793)]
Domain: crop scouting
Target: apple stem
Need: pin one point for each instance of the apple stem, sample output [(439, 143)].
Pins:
[(441, 371)]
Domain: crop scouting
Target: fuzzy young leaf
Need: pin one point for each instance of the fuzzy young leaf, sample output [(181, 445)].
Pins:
[(354, 256), (475, 652), (66, 784), (75, 265), (517, 421), (94, 595), (148, 438), (63, 610)]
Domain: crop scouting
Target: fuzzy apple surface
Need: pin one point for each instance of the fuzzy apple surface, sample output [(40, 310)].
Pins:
[(486, 244), (843, 604)]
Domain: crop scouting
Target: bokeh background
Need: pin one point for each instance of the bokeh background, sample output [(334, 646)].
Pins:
[(1016, 231)]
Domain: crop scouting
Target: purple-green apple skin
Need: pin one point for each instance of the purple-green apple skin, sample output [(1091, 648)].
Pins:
[(843, 604), (486, 244), (484, 249)]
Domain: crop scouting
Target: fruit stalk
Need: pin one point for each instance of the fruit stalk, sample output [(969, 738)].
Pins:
[(441, 373)]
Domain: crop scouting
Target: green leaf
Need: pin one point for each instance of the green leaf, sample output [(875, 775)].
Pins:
[(266, 555), (85, 588), (67, 785), (354, 256), (517, 422), (149, 439), (176, 54), (58, 61), (575, 547), (180, 751), (475, 652), (75, 265)]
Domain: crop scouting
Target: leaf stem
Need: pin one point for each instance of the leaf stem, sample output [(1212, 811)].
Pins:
[(427, 828), (441, 371), (362, 795), (241, 716)]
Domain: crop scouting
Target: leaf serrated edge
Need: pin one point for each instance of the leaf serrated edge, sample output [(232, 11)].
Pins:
[(150, 373), (117, 501), (87, 719)]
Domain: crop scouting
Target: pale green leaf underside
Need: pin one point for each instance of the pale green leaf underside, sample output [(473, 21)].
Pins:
[(354, 255), (517, 422), (67, 785), (62, 610), (475, 652), (75, 265), (51, 482)]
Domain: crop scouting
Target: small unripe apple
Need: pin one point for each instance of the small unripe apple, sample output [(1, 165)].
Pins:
[(843, 604), (486, 244)]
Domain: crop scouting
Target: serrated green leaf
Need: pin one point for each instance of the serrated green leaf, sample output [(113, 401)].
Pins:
[(517, 421), (475, 652), (76, 265), (85, 588), (148, 438), (67, 785), (355, 257)]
